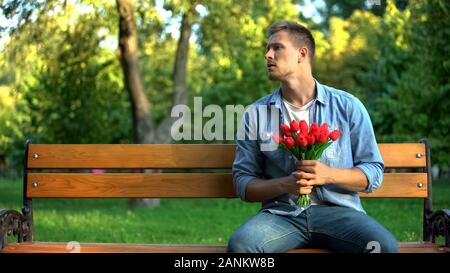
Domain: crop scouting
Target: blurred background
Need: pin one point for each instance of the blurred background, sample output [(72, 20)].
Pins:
[(102, 71)]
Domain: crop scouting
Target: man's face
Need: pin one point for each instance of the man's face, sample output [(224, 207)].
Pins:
[(281, 56)]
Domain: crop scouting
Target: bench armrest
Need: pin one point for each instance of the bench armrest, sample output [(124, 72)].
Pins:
[(12, 223), (439, 223)]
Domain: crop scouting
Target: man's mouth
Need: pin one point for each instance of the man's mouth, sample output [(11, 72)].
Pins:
[(270, 66)]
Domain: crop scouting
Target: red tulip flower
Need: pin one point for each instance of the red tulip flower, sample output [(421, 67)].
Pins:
[(285, 130), (311, 139), (314, 130), (334, 135), (295, 127), (322, 136), (304, 127), (302, 140), (289, 142)]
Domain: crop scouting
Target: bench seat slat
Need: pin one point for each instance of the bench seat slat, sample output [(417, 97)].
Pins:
[(403, 155), (181, 185), (401, 185), (61, 247), (130, 156), (172, 156), (130, 185)]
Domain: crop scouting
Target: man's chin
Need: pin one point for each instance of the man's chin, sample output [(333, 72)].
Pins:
[(273, 77)]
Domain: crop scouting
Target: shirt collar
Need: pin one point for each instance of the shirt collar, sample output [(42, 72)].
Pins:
[(321, 95)]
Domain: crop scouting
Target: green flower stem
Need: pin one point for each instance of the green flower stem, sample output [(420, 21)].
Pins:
[(304, 201)]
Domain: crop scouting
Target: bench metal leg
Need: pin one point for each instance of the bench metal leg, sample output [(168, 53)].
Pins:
[(439, 225), (13, 223)]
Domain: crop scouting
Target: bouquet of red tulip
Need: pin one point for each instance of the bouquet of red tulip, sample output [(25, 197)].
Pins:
[(305, 143)]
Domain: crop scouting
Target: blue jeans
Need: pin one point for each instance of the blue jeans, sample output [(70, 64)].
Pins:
[(336, 228)]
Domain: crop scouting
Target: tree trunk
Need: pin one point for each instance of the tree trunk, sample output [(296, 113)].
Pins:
[(2, 165), (142, 121), (128, 44), (140, 106), (180, 68), (180, 91)]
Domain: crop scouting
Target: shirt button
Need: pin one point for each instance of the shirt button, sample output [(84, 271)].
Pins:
[(290, 157), (276, 202)]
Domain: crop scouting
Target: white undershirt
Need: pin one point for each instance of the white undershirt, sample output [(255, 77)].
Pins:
[(298, 114)]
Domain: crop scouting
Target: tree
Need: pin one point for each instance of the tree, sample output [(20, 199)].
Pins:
[(232, 37), (425, 83), (128, 44), (64, 82)]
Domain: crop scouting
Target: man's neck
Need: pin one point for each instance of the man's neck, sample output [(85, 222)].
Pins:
[(299, 91)]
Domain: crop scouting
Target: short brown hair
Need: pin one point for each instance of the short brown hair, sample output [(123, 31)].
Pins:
[(299, 35)]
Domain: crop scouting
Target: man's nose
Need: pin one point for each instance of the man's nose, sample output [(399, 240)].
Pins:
[(269, 54)]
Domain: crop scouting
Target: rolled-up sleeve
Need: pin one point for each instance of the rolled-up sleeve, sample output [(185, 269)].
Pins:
[(249, 160), (366, 155)]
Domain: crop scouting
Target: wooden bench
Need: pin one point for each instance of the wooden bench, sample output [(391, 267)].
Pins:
[(48, 173)]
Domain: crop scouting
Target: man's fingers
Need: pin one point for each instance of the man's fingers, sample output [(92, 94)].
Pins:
[(305, 190), (303, 175), (306, 175), (306, 163), (305, 182), (306, 169)]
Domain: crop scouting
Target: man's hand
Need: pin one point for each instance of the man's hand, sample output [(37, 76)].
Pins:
[(301, 184), (261, 190), (314, 173)]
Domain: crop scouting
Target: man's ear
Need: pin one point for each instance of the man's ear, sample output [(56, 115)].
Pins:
[(302, 54)]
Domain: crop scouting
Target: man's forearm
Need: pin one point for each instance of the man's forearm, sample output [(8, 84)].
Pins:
[(350, 179), (260, 190)]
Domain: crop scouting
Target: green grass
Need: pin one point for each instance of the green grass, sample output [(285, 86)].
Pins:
[(185, 220)]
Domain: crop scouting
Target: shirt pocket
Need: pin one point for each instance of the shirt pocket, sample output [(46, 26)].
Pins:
[(332, 156), (332, 152)]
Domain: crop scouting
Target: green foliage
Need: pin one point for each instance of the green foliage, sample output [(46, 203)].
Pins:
[(410, 80), (235, 50), (66, 87), (427, 80), (348, 51), (9, 129), (398, 65)]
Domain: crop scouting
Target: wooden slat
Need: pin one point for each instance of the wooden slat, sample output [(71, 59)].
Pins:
[(188, 185), (57, 247), (139, 185), (401, 185), (61, 247), (404, 247), (130, 156), (161, 156), (403, 155)]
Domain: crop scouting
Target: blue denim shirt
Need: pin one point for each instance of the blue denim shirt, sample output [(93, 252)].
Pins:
[(258, 157)]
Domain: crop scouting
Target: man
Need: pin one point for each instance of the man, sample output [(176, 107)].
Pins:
[(335, 220)]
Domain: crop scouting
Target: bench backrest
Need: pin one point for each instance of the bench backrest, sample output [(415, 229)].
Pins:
[(194, 171)]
